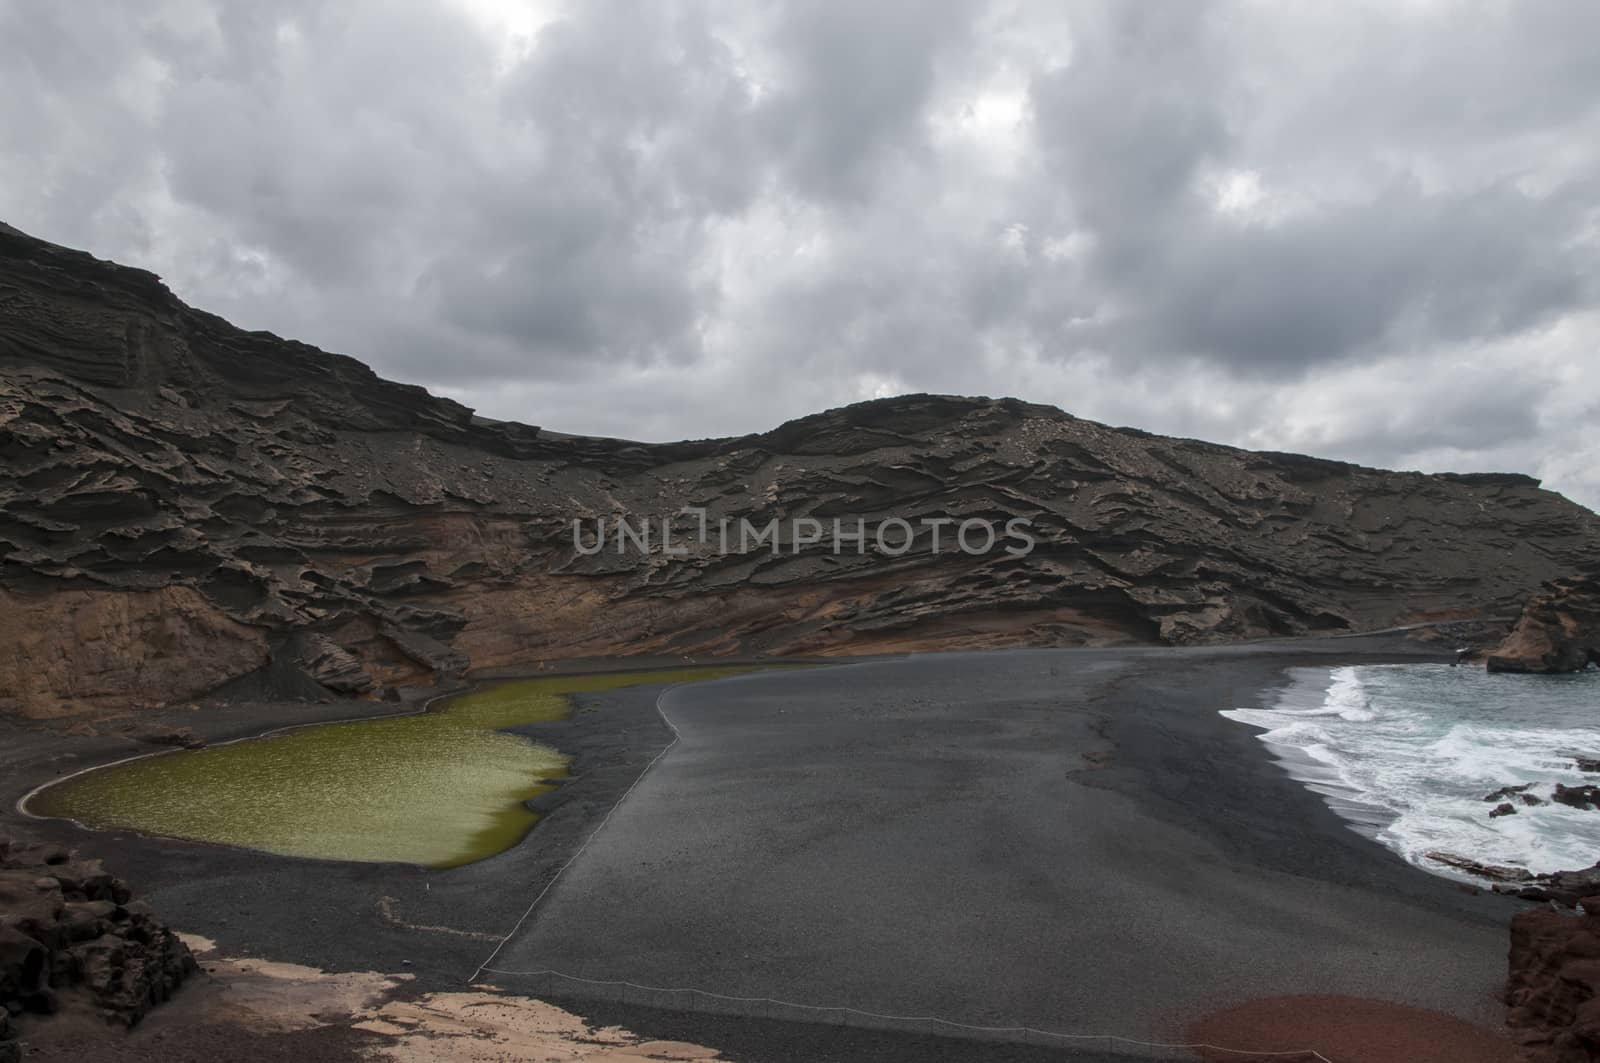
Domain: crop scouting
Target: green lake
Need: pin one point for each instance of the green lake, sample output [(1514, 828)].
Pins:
[(441, 788)]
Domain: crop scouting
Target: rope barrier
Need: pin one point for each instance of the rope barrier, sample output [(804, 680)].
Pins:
[(1305, 1053), (592, 834)]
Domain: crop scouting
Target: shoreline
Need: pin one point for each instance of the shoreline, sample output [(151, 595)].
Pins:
[(406, 916), (268, 717), (448, 784), (20, 805), (1366, 818), (1165, 803), (437, 925), (1364, 738)]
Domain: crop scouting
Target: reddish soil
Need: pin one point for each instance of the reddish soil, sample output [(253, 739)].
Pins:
[(1347, 1030)]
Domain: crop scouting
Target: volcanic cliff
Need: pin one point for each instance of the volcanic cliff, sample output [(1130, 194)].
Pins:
[(186, 503)]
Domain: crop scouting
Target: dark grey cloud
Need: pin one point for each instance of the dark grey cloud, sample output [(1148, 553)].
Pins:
[(852, 87), (1345, 283), (1367, 230), (1131, 127), (1127, 124), (631, 126)]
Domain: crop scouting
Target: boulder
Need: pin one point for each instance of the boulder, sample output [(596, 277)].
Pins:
[(1558, 631), (181, 737), (330, 664), (1515, 793), (1586, 796), (1561, 887), (24, 967), (1491, 872), (444, 661), (90, 919), (32, 904), (88, 880)]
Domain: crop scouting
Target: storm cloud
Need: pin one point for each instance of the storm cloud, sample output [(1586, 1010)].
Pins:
[(1366, 230)]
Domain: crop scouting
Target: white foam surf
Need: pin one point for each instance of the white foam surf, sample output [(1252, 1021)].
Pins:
[(1407, 753)]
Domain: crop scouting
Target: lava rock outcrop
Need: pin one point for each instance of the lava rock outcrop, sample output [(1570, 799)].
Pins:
[(69, 929), (184, 504), (1558, 631), (1553, 986)]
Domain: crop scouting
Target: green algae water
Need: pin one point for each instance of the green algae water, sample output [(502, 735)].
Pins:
[(441, 788)]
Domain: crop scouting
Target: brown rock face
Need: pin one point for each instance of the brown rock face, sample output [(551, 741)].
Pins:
[(68, 927), (65, 647), (179, 499), (1553, 989), (1558, 631)]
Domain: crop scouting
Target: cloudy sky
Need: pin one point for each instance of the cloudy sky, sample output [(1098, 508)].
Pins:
[(1365, 230)]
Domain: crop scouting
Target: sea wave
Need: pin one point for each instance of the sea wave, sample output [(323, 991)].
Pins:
[(1408, 754)]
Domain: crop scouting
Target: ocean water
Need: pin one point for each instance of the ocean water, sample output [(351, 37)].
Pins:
[(1408, 752)]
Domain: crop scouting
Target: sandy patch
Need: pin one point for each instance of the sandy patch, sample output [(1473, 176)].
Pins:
[(475, 1026), (484, 1027), (279, 997)]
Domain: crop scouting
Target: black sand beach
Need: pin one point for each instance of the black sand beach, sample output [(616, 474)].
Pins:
[(1070, 839)]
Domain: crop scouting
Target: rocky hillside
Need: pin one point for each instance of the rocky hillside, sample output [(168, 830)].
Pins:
[(183, 504)]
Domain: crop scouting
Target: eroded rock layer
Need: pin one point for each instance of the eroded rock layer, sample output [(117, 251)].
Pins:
[(185, 503)]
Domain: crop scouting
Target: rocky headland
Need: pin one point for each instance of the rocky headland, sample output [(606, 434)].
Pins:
[(1558, 631), (190, 507)]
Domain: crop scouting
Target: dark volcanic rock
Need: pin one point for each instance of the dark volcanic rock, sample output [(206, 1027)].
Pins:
[(180, 499), (430, 653), (1560, 887), (329, 663), (1553, 984), (182, 737), (1490, 872), (24, 967), (1504, 808), (1506, 794), (67, 927), (1586, 796), (1558, 631)]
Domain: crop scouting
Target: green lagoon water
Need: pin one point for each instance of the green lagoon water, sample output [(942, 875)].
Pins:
[(440, 788)]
